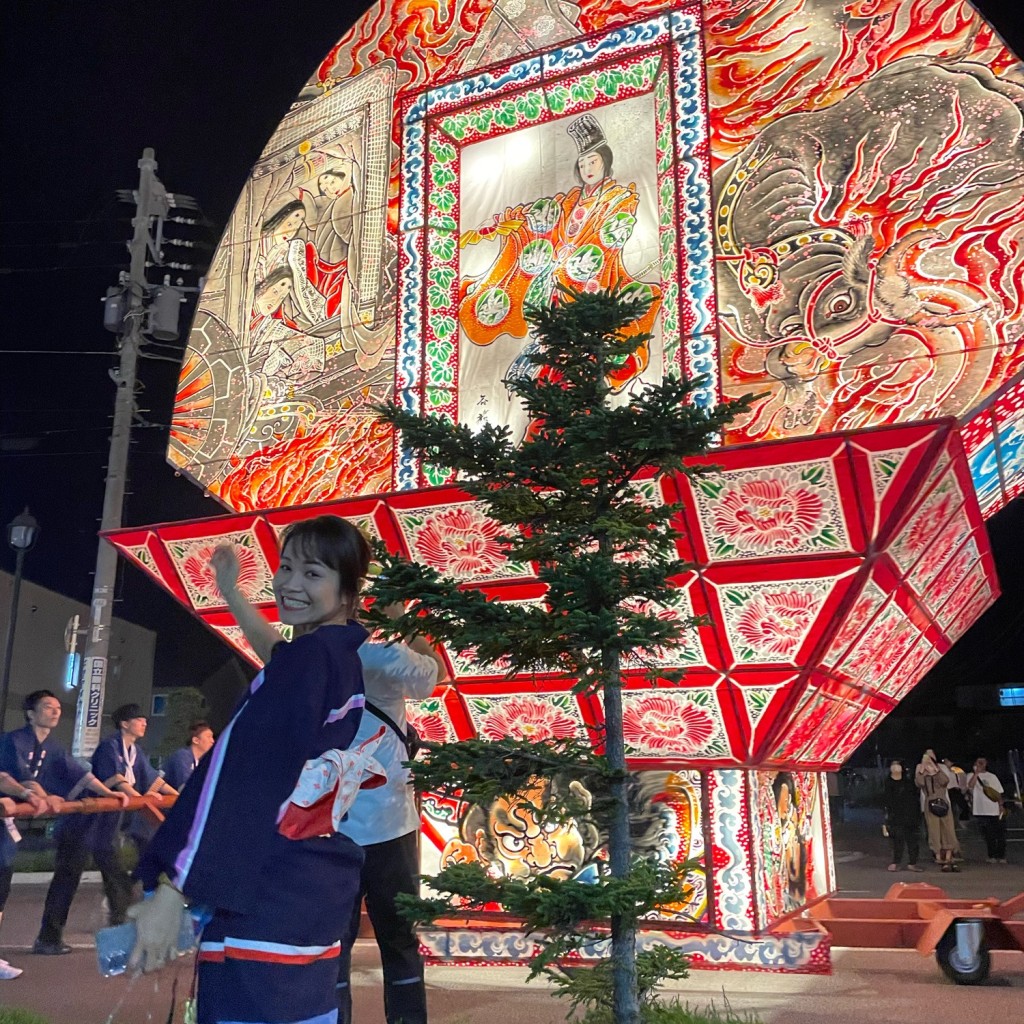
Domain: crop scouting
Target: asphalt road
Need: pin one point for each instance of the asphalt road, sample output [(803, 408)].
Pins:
[(876, 986)]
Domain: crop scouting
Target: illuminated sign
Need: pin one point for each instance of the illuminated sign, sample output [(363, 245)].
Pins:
[(72, 667)]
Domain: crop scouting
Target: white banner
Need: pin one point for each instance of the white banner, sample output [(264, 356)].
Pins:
[(89, 716)]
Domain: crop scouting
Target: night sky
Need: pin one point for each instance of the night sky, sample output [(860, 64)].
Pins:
[(86, 86)]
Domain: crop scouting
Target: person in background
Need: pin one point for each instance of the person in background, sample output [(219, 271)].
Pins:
[(122, 764), (933, 780), (902, 805), (384, 821), (182, 763), (34, 760), (987, 808), (14, 792), (957, 788)]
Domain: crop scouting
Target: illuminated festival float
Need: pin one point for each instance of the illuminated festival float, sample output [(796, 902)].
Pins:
[(823, 203)]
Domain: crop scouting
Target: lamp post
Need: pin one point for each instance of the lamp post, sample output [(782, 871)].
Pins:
[(22, 532)]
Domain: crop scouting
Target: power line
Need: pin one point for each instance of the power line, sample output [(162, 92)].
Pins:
[(57, 352), (51, 270)]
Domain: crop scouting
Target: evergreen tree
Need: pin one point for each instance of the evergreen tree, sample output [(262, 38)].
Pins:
[(571, 499), (185, 705)]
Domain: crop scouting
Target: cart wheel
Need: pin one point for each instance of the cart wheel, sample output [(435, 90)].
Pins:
[(972, 970)]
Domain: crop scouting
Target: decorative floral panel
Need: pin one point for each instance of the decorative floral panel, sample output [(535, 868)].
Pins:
[(870, 583), (773, 622), (780, 510), (440, 718), (687, 723), (526, 716), (458, 540), (191, 558)]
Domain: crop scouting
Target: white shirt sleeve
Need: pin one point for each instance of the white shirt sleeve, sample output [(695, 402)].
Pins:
[(393, 671)]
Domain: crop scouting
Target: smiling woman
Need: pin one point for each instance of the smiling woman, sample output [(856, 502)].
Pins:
[(309, 587), (275, 918)]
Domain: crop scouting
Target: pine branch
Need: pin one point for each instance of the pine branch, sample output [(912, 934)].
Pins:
[(571, 500)]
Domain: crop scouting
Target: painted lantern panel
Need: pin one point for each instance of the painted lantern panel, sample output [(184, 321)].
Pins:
[(792, 859), (882, 280), (823, 202), (830, 574), (357, 268), (666, 813)]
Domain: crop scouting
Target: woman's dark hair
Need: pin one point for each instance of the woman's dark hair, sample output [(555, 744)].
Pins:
[(198, 726), (337, 172), (281, 216), (604, 152), (334, 542), (784, 779), (273, 277)]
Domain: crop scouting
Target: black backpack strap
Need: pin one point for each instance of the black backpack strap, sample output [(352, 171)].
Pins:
[(387, 720)]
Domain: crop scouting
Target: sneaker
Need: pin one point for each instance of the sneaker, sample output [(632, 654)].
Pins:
[(894, 867), (991, 860), (50, 948), (1002, 860), (9, 973)]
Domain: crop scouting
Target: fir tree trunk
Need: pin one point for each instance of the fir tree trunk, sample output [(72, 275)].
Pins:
[(625, 1003)]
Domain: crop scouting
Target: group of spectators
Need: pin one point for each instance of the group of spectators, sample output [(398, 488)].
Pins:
[(942, 794), (35, 768), (277, 915)]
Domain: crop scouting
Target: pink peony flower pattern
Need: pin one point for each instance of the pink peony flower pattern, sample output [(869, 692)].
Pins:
[(951, 577), (527, 718), (935, 555), (877, 641), (775, 623), (867, 604), (430, 725), (199, 576), (760, 516), (930, 519), (805, 726), (658, 724), (460, 542)]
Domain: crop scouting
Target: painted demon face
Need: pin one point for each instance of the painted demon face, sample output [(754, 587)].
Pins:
[(524, 846)]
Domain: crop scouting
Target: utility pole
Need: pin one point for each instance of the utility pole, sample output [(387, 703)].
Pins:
[(152, 204)]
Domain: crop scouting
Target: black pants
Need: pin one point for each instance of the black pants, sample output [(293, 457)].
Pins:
[(72, 857), (905, 835), (993, 828), (6, 874), (389, 868)]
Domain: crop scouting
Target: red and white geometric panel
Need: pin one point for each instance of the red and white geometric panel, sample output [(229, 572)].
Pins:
[(993, 436), (831, 573)]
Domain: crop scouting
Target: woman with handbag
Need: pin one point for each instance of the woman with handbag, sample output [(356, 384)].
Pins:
[(988, 810), (938, 818)]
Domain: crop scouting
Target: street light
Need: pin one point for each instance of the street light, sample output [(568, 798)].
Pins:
[(22, 532)]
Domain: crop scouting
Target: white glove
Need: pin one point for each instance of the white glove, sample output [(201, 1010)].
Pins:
[(157, 923)]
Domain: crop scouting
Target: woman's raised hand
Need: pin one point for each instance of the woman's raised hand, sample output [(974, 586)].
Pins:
[(226, 567)]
